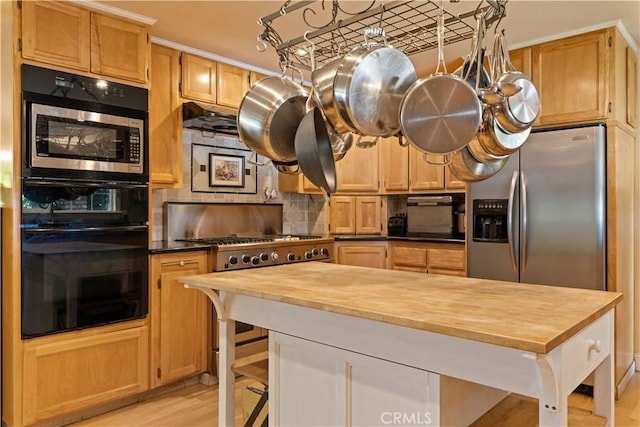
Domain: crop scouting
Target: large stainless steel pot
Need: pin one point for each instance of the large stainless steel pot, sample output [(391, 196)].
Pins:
[(322, 81), (269, 116), (467, 168), (368, 87)]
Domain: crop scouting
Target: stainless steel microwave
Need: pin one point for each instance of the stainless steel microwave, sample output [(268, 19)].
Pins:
[(435, 216), (82, 127)]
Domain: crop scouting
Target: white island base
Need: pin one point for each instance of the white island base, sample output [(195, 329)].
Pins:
[(329, 368)]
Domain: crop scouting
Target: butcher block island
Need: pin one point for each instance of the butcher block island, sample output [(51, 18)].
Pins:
[(360, 346)]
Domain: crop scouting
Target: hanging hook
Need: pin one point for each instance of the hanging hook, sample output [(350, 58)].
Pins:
[(262, 45)]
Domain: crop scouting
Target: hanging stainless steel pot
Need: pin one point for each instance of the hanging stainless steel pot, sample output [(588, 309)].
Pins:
[(368, 87), (322, 81), (519, 110), (497, 142), (467, 168), (440, 114), (269, 116)]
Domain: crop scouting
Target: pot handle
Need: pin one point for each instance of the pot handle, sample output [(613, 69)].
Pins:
[(255, 162), (447, 159), (366, 144), (374, 32)]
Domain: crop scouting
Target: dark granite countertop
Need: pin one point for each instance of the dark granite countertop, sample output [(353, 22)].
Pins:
[(377, 237)]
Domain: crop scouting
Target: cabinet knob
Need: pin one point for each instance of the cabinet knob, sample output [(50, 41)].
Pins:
[(595, 346), (181, 263)]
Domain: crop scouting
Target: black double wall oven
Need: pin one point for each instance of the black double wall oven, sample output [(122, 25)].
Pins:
[(84, 202)]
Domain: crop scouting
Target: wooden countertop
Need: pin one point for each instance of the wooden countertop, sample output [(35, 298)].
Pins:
[(532, 318)]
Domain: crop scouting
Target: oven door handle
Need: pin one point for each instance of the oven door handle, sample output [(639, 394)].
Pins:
[(83, 230), (85, 184)]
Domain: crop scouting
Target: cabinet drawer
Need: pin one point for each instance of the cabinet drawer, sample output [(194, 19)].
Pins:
[(410, 257), (450, 259)]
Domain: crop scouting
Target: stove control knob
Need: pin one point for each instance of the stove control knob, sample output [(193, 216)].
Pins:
[(233, 260), (264, 256), (246, 259), (274, 256), (315, 252), (308, 255), (255, 260), (291, 256), (324, 251)]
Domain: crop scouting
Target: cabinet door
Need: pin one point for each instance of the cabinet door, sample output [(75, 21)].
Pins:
[(256, 77), (446, 261), (409, 258), (165, 119), (571, 78), (74, 371), (368, 215), (358, 170), (362, 254), (451, 182), (394, 164), (342, 215), (423, 175), (56, 33), (521, 60), (119, 48), (632, 87), (179, 318), (232, 84), (198, 78)]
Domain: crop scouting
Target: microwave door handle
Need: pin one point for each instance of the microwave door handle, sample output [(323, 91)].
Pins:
[(510, 233)]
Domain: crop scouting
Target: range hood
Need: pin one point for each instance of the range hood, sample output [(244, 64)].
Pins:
[(210, 118)]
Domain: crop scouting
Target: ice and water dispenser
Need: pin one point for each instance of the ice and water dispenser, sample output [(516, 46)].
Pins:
[(490, 220)]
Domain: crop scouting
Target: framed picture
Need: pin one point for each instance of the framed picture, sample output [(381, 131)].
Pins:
[(226, 170)]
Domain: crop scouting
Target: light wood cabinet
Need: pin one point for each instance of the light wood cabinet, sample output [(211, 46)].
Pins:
[(119, 48), (198, 78), (358, 171), (288, 183), (362, 254), (232, 84), (587, 77), (355, 215), (56, 33), (423, 175), (69, 372), (178, 318), (394, 166), (429, 257), (165, 119), (61, 34)]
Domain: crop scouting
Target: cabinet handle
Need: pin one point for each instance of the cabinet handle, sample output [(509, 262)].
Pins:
[(595, 346), (181, 263)]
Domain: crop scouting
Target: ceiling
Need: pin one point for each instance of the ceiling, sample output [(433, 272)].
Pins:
[(229, 28)]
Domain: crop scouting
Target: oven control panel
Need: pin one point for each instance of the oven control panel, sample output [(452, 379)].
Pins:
[(225, 259)]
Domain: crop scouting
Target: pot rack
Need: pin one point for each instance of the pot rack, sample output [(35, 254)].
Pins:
[(408, 25)]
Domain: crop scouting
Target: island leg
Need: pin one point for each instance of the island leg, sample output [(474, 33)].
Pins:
[(226, 408), (603, 387)]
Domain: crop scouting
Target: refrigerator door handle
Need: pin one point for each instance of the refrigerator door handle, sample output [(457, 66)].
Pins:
[(524, 228), (512, 249)]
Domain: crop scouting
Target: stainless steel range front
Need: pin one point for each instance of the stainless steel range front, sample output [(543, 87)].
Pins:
[(242, 235)]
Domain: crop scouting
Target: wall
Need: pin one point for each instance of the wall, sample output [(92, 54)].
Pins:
[(302, 214)]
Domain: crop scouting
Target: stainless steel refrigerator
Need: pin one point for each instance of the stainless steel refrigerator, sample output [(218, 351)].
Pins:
[(542, 218)]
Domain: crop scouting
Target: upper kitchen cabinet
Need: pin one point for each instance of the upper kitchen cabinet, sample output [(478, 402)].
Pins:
[(394, 166), (424, 176), (119, 48), (64, 35), (198, 78), (584, 78), (358, 171), (165, 119), (214, 82), (232, 84), (356, 215)]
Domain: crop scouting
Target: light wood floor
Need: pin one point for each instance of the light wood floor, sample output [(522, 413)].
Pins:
[(196, 406)]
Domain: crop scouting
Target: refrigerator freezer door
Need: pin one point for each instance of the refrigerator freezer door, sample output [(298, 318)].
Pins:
[(563, 182), (491, 260)]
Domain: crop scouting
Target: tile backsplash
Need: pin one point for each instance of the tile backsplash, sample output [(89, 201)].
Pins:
[(302, 213)]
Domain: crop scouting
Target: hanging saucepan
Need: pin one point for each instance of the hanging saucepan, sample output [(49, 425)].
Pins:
[(441, 113), (497, 142), (476, 148), (269, 116), (467, 168), (518, 111), (322, 81), (368, 87)]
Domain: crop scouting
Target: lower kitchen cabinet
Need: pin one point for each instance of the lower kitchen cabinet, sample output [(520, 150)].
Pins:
[(179, 318), (428, 257), (356, 215), (72, 371), (361, 253)]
